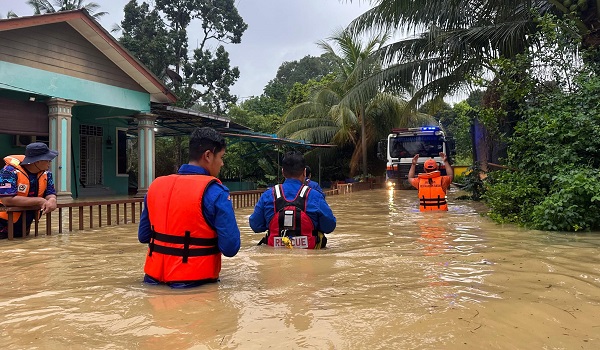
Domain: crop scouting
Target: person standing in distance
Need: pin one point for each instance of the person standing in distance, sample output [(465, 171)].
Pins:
[(188, 219), (26, 181), (312, 184), (432, 185)]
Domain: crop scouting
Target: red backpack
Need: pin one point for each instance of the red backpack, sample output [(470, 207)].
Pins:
[(290, 220)]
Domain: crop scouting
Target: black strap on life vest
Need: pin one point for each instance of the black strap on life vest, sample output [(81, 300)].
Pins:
[(151, 244), (210, 245), (432, 202), (190, 253), (299, 204)]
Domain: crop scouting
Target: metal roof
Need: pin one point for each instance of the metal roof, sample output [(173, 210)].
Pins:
[(175, 121)]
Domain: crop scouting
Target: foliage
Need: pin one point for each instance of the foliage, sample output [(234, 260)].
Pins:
[(458, 126), (10, 14), (553, 154), (308, 67), (264, 105), (300, 93), (574, 202), (266, 123), (336, 112), (146, 36), (47, 6), (300, 72), (215, 74), (512, 195), (158, 37), (556, 151), (472, 181)]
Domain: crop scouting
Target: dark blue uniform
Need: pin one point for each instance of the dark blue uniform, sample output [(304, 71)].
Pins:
[(316, 208), (315, 186)]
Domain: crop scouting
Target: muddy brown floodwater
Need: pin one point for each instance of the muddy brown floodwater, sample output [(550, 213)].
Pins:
[(392, 278)]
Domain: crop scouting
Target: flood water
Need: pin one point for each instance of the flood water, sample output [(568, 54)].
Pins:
[(392, 278)]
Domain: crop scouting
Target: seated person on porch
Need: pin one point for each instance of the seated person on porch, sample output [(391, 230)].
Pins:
[(25, 182), (297, 219)]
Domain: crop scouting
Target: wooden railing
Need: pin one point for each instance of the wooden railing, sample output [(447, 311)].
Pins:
[(243, 199), (109, 212), (125, 211), (357, 186)]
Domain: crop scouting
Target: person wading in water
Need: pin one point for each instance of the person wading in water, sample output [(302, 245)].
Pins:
[(432, 185)]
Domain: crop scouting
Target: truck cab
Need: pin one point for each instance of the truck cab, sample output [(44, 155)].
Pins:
[(403, 144)]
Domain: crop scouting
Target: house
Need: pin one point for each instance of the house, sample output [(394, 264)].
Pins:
[(66, 81)]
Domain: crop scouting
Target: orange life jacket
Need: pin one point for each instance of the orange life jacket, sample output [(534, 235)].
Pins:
[(23, 185), (183, 247), (431, 193)]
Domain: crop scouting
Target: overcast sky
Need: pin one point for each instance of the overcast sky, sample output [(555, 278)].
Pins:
[(278, 31)]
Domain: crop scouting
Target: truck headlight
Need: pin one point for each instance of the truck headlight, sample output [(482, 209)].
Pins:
[(390, 184)]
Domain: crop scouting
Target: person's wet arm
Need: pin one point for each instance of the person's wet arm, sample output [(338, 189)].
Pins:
[(258, 222), (227, 229), (327, 221), (144, 233)]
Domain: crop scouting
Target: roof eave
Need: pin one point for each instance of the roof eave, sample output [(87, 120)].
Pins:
[(89, 28)]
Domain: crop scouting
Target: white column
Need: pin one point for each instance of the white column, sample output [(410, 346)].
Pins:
[(59, 114), (145, 152)]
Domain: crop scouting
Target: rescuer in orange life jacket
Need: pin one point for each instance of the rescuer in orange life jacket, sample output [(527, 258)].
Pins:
[(432, 185), (25, 181), (188, 220)]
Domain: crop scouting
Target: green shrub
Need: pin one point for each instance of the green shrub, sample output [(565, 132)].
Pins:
[(512, 194), (574, 204)]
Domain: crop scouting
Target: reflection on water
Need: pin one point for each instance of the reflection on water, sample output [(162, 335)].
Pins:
[(392, 278)]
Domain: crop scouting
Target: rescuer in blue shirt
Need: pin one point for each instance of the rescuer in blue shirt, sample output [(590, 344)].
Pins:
[(217, 208), (317, 208)]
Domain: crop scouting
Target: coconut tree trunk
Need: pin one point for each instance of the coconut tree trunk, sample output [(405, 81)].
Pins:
[(363, 140)]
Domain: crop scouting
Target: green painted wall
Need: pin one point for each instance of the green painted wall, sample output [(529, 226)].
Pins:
[(87, 115), (102, 101), (7, 147), (39, 82)]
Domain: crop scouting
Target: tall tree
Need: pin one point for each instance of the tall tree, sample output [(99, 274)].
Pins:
[(146, 36), (300, 71), (47, 6), (207, 75), (338, 113), (462, 38)]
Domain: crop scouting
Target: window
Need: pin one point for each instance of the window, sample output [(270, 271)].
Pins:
[(423, 145), (90, 159)]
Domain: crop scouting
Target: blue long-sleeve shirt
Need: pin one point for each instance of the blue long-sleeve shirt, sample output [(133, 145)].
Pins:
[(315, 186), (316, 208), (216, 208)]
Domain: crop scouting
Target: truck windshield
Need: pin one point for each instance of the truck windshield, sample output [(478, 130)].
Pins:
[(423, 145)]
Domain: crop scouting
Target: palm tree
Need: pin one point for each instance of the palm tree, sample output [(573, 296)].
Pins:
[(460, 38), (47, 6), (337, 113), (10, 14)]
